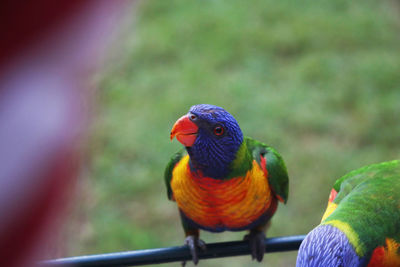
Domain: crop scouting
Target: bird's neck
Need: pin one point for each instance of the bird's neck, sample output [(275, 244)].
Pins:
[(216, 163)]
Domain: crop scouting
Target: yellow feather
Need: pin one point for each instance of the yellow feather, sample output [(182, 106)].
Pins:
[(331, 208), (351, 235)]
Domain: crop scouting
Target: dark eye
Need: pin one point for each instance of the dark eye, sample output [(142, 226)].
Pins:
[(218, 130), (192, 117)]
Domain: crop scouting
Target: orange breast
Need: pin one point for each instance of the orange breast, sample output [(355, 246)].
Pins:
[(232, 203)]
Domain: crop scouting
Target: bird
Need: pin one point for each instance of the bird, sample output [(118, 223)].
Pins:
[(223, 181), (361, 224)]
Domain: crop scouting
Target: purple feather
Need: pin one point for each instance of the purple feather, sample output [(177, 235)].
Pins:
[(327, 246)]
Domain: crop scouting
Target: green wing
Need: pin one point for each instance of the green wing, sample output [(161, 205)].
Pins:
[(277, 173), (169, 168)]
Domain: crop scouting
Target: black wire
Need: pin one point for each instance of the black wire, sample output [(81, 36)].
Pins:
[(171, 254)]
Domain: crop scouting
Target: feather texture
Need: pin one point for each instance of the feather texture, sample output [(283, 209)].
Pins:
[(217, 205), (364, 207), (225, 181)]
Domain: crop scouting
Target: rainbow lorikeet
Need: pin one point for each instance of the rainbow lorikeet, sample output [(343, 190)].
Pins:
[(222, 180), (361, 225)]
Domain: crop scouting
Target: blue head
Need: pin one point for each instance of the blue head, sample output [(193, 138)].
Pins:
[(329, 247), (211, 136)]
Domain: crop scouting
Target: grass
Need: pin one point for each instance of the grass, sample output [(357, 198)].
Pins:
[(319, 81)]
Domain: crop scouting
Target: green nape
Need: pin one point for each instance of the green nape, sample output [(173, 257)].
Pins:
[(368, 203), (242, 162)]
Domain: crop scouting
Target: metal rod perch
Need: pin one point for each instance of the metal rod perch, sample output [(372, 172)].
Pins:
[(171, 254)]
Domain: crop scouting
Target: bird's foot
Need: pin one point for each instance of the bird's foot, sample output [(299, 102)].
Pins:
[(257, 244), (193, 242)]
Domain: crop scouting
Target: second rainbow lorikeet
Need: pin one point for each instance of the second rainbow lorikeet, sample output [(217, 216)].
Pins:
[(361, 225), (222, 180)]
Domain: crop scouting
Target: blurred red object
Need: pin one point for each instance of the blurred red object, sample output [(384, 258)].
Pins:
[(47, 51)]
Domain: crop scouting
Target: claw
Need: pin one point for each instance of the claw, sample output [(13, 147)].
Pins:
[(193, 242), (257, 244)]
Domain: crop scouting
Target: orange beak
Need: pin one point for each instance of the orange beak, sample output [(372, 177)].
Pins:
[(185, 131)]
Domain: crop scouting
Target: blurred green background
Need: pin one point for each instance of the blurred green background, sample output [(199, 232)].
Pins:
[(317, 80)]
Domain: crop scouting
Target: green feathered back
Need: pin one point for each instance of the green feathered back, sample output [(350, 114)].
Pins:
[(369, 201)]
